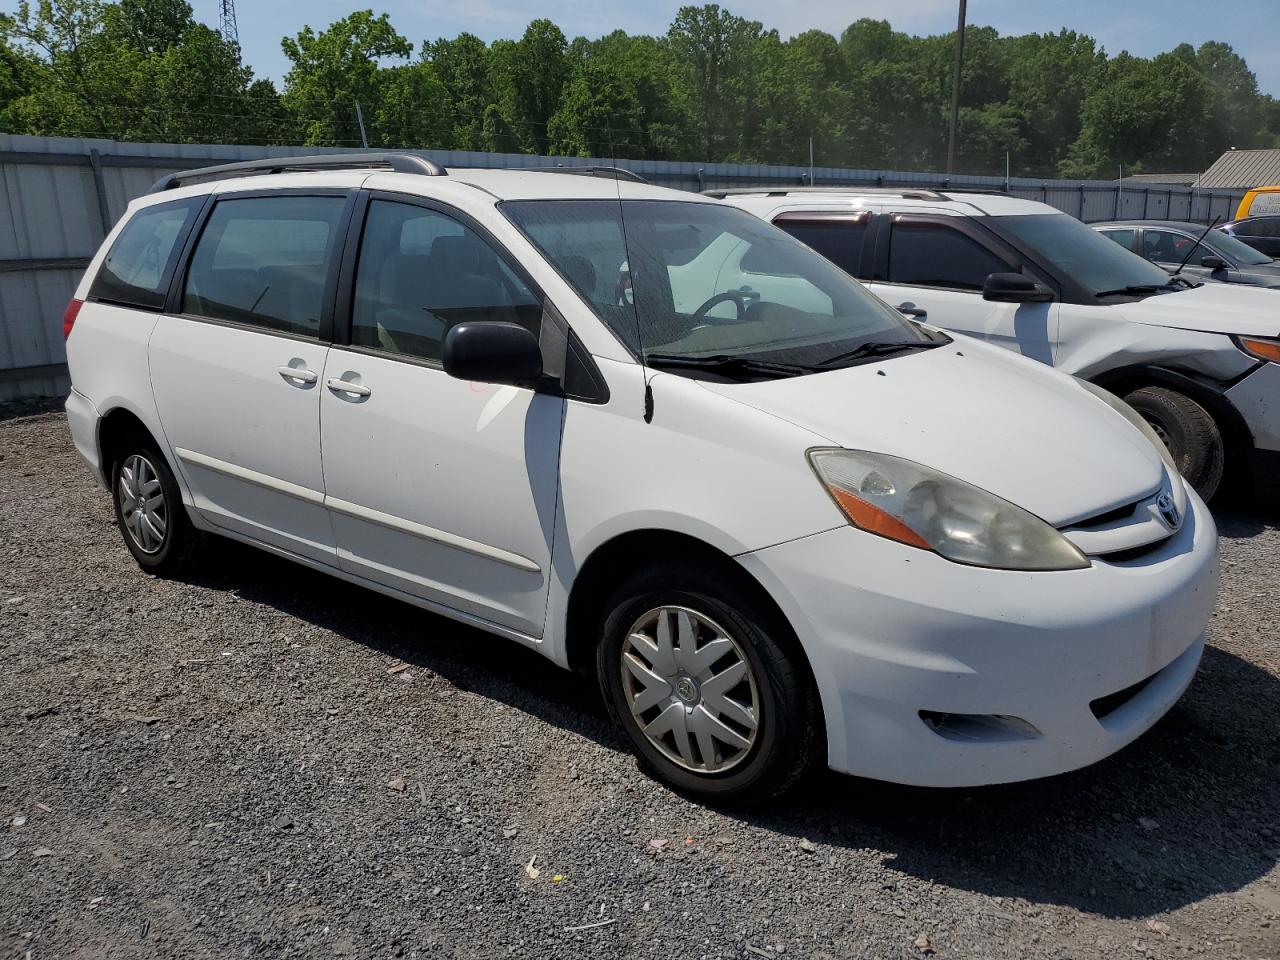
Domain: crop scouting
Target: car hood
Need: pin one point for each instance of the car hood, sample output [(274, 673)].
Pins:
[(1212, 308), (1007, 424), (1263, 273)]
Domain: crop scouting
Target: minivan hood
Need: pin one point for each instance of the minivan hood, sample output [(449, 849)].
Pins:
[(1212, 308), (1007, 424)]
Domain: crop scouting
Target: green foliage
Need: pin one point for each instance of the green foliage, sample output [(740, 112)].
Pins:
[(714, 87)]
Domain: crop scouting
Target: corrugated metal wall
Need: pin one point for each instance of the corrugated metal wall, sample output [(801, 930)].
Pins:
[(61, 195)]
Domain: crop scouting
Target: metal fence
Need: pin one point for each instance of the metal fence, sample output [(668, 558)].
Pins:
[(61, 196)]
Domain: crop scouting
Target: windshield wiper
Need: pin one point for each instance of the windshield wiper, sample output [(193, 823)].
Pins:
[(877, 348), (726, 364), (1134, 288)]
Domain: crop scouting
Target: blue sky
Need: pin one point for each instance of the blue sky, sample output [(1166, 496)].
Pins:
[(1142, 27)]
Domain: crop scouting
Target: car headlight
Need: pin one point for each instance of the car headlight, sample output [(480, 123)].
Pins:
[(1260, 348), (923, 508), (1134, 417)]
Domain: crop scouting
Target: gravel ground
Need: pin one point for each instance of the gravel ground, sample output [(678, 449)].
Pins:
[(260, 761)]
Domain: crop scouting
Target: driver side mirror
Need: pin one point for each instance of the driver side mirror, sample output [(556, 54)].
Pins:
[(1014, 288), (492, 352), (1212, 262)]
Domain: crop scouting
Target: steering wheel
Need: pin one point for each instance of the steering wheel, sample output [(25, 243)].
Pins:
[(739, 301)]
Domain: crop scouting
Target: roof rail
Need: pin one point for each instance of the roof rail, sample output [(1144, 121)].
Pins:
[(907, 193), (618, 173), (399, 162)]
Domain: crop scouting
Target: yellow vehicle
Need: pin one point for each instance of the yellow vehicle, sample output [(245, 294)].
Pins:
[(1261, 201)]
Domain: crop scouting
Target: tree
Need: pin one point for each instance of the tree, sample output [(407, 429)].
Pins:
[(715, 51), (462, 67), (334, 70)]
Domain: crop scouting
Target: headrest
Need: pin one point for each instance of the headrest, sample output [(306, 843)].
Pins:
[(455, 255), (580, 273)]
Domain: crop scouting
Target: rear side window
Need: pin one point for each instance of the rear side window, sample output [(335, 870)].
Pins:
[(137, 269), (1265, 203), (262, 261), (1122, 237), (1258, 227), (421, 272), (837, 237), (935, 255)]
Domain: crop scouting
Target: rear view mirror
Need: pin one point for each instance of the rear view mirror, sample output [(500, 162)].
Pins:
[(492, 352), (1014, 288), (1212, 262)]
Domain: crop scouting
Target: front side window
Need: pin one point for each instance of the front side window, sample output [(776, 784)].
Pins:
[(263, 261), (1258, 226), (701, 280), (421, 272), (1166, 247), (926, 254), (838, 237), (137, 269)]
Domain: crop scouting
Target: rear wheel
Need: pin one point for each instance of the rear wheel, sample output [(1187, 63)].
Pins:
[(149, 510), (1190, 433), (715, 700)]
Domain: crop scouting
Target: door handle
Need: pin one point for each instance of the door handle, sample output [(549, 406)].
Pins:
[(297, 373), (346, 386)]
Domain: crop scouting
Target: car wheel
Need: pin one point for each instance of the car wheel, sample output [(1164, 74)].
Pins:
[(1190, 433), (150, 512), (714, 698)]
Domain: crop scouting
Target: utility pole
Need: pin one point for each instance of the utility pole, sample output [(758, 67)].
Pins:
[(227, 22), (955, 91), (364, 141)]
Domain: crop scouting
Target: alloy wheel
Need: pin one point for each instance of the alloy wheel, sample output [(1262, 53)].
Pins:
[(142, 504), (691, 689)]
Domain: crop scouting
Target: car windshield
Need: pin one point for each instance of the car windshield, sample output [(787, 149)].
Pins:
[(1099, 265), (695, 283), (1237, 250)]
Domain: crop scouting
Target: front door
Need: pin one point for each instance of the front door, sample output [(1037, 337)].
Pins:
[(443, 489), (236, 373), (933, 263)]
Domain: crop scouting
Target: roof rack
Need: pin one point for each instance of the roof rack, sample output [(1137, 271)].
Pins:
[(907, 193), (399, 162), (617, 173)]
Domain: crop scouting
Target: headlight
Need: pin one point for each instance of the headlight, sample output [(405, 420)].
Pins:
[(1134, 417), (1259, 348), (923, 508)]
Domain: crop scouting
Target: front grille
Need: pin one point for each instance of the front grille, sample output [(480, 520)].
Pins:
[(1119, 513)]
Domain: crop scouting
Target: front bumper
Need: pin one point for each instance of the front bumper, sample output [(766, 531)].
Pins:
[(1257, 398), (899, 637)]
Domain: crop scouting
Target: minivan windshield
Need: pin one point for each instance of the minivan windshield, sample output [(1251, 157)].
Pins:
[(709, 289), (1101, 266)]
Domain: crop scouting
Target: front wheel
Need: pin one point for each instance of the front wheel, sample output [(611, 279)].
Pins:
[(150, 512), (1190, 433), (715, 700)]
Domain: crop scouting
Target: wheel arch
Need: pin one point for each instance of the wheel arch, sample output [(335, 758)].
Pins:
[(1207, 392), (116, 426), (626, 553)]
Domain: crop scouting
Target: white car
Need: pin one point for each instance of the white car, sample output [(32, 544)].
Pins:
[(1201, 362), (812, 531)]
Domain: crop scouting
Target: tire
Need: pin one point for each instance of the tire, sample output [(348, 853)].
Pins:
[(159, 534), (788, 738), (1190, 433)]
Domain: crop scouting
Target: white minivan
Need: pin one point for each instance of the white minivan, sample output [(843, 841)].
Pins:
[(1200, 362), (809, 531)]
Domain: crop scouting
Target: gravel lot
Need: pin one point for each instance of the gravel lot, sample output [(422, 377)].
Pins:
[(261, 761)]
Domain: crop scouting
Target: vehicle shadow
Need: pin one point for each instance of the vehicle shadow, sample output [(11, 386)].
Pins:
[(1190, 810), (1246, 517)]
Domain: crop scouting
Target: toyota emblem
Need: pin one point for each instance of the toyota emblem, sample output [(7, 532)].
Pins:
[(1169, 511)]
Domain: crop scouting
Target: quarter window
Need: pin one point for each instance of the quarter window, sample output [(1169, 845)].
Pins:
[(262, 261), (935, 255), (137, 269), (838, 238), (421, 272)]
